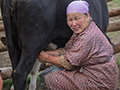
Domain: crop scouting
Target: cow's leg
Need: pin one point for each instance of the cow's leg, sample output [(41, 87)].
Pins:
[(34, 72), (36, 67), (12, 87)]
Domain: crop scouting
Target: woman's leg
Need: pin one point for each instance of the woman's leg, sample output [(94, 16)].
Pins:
[(48, 71)]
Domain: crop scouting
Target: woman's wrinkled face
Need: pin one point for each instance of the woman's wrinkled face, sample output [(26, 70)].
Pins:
[(77, 22)]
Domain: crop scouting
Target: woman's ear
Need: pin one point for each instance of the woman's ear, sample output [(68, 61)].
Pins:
[(88, 15)]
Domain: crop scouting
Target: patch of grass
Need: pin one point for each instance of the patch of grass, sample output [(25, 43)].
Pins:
[(118, 63), (117, 2), (113, 4), (7, 84), (114, 36), (29, 78)]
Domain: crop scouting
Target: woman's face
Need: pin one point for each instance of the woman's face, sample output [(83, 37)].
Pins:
[(77, 21)]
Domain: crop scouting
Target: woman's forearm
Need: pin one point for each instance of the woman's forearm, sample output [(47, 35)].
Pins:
[(48, 58), (53, 52), (54, 60)]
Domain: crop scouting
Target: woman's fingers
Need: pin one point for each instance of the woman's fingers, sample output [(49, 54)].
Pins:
[(43, 56)]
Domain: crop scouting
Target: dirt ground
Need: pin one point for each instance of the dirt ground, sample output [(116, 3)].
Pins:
[(5, 61)]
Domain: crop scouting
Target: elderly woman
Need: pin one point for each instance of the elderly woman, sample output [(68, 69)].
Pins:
[(86, 62)]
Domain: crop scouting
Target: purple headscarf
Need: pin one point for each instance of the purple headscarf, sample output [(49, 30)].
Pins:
[(78, 7)]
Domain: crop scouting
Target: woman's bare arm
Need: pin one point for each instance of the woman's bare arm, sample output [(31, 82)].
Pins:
[(45, 57)]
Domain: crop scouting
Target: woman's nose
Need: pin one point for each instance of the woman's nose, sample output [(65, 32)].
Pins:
[(74, 23)]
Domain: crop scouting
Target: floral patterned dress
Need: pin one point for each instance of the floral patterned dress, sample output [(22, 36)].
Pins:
[(88, 61)]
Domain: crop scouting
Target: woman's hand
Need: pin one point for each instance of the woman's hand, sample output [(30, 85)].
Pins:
[(43, 56)]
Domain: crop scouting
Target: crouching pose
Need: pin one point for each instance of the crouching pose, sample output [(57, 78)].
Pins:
[(86, 62)]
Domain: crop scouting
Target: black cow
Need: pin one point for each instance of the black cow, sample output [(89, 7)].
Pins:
[(32, 24)]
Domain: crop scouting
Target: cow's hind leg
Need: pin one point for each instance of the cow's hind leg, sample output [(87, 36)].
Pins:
[(34, 72), (12, 87), (36, 67)]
